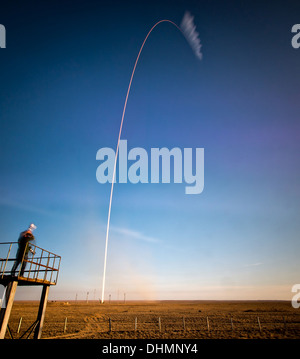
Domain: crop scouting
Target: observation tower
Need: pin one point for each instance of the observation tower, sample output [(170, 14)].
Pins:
[(39, 268)]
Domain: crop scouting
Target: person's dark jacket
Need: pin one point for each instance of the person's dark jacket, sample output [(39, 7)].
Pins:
[(24, 239)]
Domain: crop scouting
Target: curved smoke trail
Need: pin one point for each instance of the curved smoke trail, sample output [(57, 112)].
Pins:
[(188, 30)]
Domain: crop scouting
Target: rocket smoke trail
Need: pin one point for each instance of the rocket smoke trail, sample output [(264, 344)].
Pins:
[(190, 33), (188, 30)]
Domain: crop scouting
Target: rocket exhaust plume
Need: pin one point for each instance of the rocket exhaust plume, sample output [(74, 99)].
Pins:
[(188, 30)]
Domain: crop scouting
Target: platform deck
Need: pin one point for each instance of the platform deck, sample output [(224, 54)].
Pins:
[(24, 281)]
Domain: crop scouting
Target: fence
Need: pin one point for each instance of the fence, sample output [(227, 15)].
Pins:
[(165, 324), (35, 264), (162, 325), (203, 323)]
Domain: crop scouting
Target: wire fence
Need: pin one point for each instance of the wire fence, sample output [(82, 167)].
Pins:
[(162, 324), (209, 323)]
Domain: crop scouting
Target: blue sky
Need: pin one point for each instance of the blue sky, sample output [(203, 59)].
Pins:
[(64, 77)]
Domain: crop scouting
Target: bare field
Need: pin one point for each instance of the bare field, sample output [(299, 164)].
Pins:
[(160, 320)]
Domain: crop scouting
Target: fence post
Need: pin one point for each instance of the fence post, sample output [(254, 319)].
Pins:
[(231, 323), (135, 324), (19, 326), (259, 326), (207, 321), (159, 324), (183, 322), (109, 323), (65, 326)]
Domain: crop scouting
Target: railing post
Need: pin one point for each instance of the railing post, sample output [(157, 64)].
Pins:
[(39, 265), (57, 270), (45, 276), (31, 264), (52, 269), (6, 260)]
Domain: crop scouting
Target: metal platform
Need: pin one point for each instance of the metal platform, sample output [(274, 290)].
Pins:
[(24, 281), (36, 267), (40, 267)]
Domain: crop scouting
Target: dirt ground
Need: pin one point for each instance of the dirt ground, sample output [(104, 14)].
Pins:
[(160, 320)]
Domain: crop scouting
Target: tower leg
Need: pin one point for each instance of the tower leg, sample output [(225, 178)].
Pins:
[(5, 311), (42, 311)]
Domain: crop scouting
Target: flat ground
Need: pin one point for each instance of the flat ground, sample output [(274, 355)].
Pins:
[(160, 320)]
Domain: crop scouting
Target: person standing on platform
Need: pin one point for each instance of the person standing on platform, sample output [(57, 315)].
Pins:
[(23, 249)]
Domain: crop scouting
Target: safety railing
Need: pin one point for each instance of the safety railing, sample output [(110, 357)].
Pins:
[(31, 263)]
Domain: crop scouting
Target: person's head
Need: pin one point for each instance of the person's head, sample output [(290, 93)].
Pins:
[(31, 227)]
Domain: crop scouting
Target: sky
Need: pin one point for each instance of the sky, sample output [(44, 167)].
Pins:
[(63, 79)]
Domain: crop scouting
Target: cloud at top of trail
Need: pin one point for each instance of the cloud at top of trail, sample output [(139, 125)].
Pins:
[(189, 30)]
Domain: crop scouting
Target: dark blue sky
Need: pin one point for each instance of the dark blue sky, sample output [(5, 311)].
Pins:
[(63, 81)]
